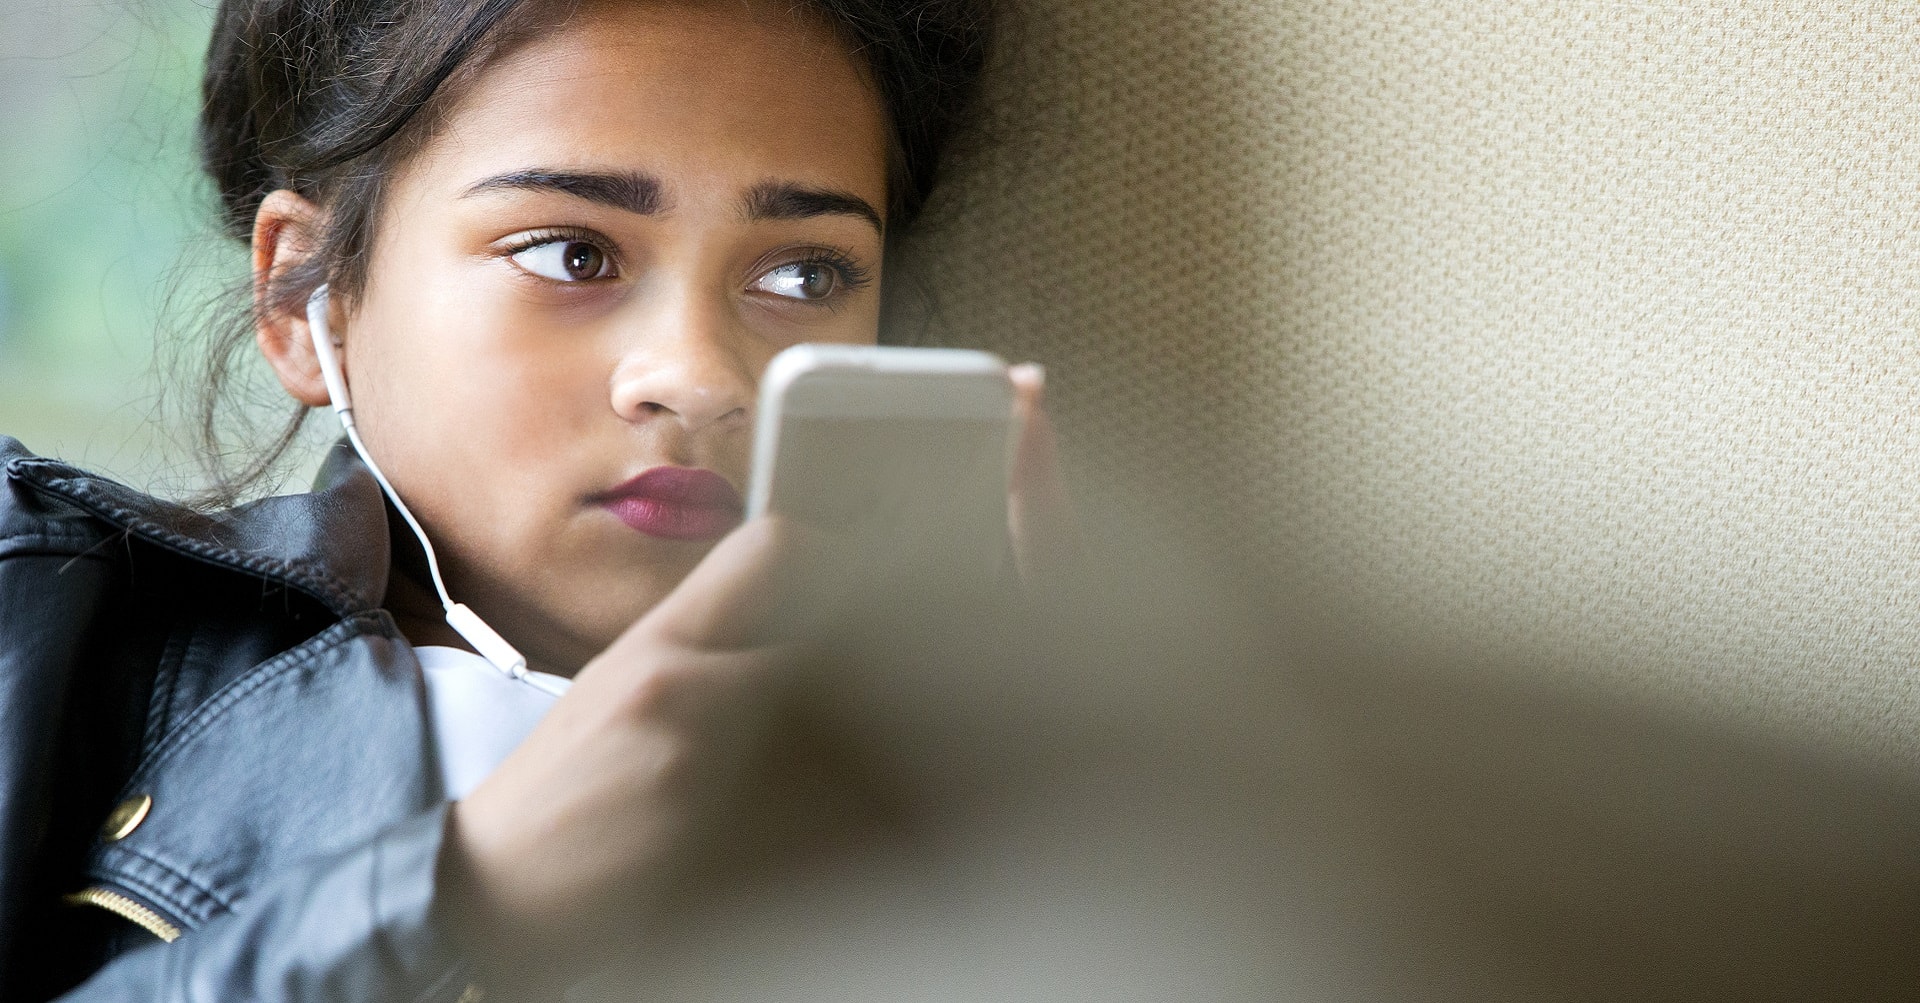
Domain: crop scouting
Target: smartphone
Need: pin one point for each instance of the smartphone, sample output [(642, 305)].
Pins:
[(909, 446)]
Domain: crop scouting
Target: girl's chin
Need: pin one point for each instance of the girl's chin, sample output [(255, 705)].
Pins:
[(604, 602)]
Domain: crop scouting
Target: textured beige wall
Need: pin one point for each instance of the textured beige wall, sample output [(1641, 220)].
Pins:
[(1586, 328)]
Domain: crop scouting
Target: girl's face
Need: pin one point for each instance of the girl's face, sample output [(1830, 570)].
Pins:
[(580, 278)]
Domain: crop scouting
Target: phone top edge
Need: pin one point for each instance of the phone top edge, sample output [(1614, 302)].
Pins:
[(820, 380), (819, 356), (970, 381)]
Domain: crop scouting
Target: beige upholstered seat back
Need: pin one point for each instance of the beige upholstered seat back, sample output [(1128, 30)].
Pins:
[(1585, 328)]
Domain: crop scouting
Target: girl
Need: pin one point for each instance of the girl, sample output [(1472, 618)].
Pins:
[(245, 756)]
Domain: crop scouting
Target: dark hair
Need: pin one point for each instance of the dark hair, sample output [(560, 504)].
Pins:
[(328, 98)]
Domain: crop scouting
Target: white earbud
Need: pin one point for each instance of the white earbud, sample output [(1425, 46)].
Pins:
[(324, 349), (463, 620)]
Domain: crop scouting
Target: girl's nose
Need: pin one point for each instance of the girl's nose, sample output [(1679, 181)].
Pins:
[(691, 364)]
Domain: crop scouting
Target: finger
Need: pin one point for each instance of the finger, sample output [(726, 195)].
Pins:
[(1040, 515)]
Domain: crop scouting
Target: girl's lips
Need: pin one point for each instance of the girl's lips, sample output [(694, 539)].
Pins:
[(676, 503)]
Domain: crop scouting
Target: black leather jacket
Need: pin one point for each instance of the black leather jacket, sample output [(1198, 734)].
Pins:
[(215, 776)]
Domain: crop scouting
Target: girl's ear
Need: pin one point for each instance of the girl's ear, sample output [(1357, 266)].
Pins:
[(283, 236)]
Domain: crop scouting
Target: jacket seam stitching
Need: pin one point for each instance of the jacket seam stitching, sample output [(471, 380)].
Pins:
[(40, 542), (267, 673), (271, 672), (320, 584), (166, 683), (151, 895)]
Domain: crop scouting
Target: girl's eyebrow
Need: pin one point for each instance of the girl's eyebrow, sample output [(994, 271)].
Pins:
[(644, 195), (631, 191), (782, 200)]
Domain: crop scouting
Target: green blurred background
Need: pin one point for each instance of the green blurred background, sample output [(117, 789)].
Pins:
[(108, 246)]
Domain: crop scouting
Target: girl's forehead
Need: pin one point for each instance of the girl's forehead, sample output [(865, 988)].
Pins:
[(683, 49), (678, 90)]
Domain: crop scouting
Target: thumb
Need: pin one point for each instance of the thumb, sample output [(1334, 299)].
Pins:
[(761, 584)]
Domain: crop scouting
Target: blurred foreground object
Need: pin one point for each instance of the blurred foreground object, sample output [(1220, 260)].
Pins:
[(1142, 787)]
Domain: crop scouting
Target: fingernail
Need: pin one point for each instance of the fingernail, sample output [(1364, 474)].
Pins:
[(1029, 370)]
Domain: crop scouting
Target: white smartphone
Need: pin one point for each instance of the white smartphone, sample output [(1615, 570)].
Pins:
[(911, 444)]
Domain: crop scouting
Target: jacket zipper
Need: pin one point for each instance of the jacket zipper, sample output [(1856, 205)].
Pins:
[(127, 909)]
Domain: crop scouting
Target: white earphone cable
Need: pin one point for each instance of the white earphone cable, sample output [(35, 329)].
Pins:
[(433, 560), (487, 641)]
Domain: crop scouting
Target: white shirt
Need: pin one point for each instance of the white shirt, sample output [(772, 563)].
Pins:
[(478, 713)]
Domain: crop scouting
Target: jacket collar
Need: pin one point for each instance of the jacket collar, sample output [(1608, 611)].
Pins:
[(330, 543)]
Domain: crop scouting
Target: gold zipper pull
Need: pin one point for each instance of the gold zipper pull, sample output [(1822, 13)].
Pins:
[(125, 908)]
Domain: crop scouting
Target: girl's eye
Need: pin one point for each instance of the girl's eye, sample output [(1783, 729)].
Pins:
[(801, 280), (565, 261)]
